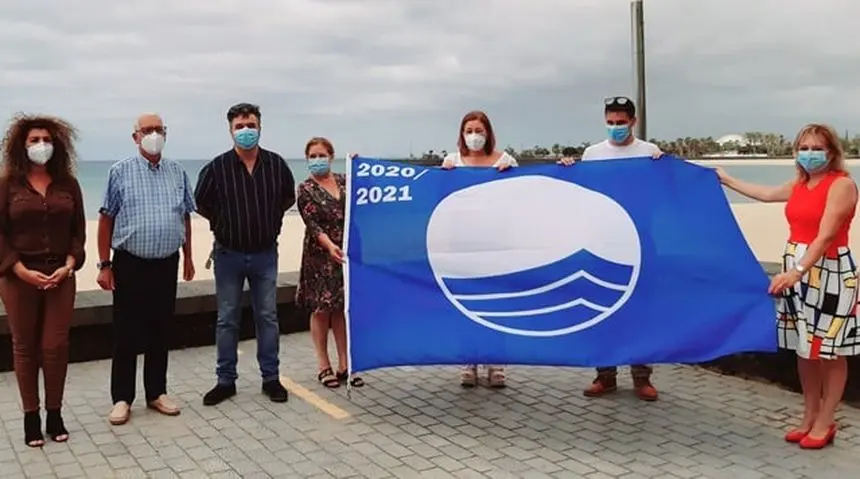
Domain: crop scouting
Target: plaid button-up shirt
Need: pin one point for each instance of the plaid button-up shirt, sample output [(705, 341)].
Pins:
[(148, 203)]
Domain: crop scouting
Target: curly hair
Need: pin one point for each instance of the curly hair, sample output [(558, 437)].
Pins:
[(14, 148)]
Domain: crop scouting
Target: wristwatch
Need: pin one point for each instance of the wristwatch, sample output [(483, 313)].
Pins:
[(104, 264), (800, 269)]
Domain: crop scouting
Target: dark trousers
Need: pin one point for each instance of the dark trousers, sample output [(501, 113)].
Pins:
[(638, 371), (144, 300)]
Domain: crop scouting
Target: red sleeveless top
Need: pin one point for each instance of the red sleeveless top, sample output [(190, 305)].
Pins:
[(804, 211)]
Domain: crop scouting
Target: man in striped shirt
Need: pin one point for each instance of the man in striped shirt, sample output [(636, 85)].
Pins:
[(145, 219), (244, 194)]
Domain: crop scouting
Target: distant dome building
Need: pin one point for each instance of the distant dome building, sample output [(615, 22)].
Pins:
[(740, 140)]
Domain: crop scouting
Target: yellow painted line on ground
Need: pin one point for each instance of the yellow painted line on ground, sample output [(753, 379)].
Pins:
[(314, 399)]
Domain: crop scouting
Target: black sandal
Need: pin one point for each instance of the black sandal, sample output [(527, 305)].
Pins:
[(355, 381), (33, 429), (55, 427), (328, 378)]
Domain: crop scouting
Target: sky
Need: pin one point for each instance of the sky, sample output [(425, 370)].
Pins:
[(388, 77)]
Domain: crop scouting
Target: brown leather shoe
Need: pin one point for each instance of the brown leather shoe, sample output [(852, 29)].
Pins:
[(601, 387), (644, 390)]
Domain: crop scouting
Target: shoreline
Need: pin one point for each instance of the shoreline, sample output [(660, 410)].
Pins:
[(763, 226), (758, 162)]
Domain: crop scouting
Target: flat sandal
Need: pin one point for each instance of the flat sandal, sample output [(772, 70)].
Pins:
[(328, 378)]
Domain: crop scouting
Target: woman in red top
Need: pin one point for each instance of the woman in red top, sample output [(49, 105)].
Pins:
[(818, 286)]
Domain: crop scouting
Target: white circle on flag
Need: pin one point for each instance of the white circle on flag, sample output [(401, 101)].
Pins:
[(533, 255)]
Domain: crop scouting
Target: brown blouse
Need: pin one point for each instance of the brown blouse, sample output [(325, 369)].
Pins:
[(42, 230)]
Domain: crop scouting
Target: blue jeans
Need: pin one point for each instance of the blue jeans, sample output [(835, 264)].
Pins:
[(232, 268)]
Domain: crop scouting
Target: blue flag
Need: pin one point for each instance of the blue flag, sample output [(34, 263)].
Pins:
[(602, 263)]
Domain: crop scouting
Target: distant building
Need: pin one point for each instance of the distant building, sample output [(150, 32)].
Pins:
[(731, 145), (733, 139)]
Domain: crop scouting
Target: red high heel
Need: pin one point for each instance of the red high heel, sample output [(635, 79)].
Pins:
[(810, 442), (795, 436)]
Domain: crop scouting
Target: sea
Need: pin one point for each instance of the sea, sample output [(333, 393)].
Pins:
[(92, 176)]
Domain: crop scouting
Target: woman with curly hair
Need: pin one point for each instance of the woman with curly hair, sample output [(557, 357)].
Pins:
[(42, 232)]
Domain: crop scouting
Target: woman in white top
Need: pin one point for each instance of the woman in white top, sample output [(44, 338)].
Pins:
[(477, 147)]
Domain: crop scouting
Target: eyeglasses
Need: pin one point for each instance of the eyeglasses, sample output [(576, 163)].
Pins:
[(147, 130), (616, 100)]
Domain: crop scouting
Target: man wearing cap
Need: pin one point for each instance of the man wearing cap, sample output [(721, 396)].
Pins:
[(620, 116), (244, 193)]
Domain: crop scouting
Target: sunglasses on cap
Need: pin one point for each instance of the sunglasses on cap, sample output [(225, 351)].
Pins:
[(617, 100)]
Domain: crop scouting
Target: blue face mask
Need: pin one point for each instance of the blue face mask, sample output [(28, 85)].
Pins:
[(618, 133), (319, 166), (812, 160), (246, 138)]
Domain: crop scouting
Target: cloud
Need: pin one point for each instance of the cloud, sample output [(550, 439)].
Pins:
[(389, 76)]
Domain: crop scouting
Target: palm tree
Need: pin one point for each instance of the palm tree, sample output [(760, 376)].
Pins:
[(754, 140)]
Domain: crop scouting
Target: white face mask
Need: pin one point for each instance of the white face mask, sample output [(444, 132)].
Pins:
[(40, 153), (152, 143), (475, 141)]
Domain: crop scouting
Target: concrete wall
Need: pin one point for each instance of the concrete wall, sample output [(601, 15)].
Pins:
[(196, 312)]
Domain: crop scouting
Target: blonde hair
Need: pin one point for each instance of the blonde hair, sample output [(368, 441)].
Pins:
[(835, 154)]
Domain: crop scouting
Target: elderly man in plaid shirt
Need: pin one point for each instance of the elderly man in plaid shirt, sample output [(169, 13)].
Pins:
[(145, 220)]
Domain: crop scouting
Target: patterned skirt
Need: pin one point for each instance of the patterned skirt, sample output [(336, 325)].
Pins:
[(817, 318)]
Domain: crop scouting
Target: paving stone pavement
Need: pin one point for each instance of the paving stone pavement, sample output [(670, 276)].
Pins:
[(418, 422)]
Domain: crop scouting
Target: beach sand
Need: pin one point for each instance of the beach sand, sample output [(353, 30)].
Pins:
[(289, 248), (763, 226), (766, 230)]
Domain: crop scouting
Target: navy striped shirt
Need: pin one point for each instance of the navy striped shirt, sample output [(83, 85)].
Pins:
[(245, 210)]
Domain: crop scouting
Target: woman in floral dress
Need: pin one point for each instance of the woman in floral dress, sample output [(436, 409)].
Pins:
[(322, 204)]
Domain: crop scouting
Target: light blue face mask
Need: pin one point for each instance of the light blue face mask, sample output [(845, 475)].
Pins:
[(618, 133), (319, 166), (812, 160), (246, 138)]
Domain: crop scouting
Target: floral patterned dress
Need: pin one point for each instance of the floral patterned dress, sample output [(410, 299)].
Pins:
[(321, 278)]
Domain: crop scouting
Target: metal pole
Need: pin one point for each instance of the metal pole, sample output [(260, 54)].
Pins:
[(638, 16)]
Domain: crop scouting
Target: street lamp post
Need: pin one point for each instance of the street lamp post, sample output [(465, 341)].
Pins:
[(638, 20)]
